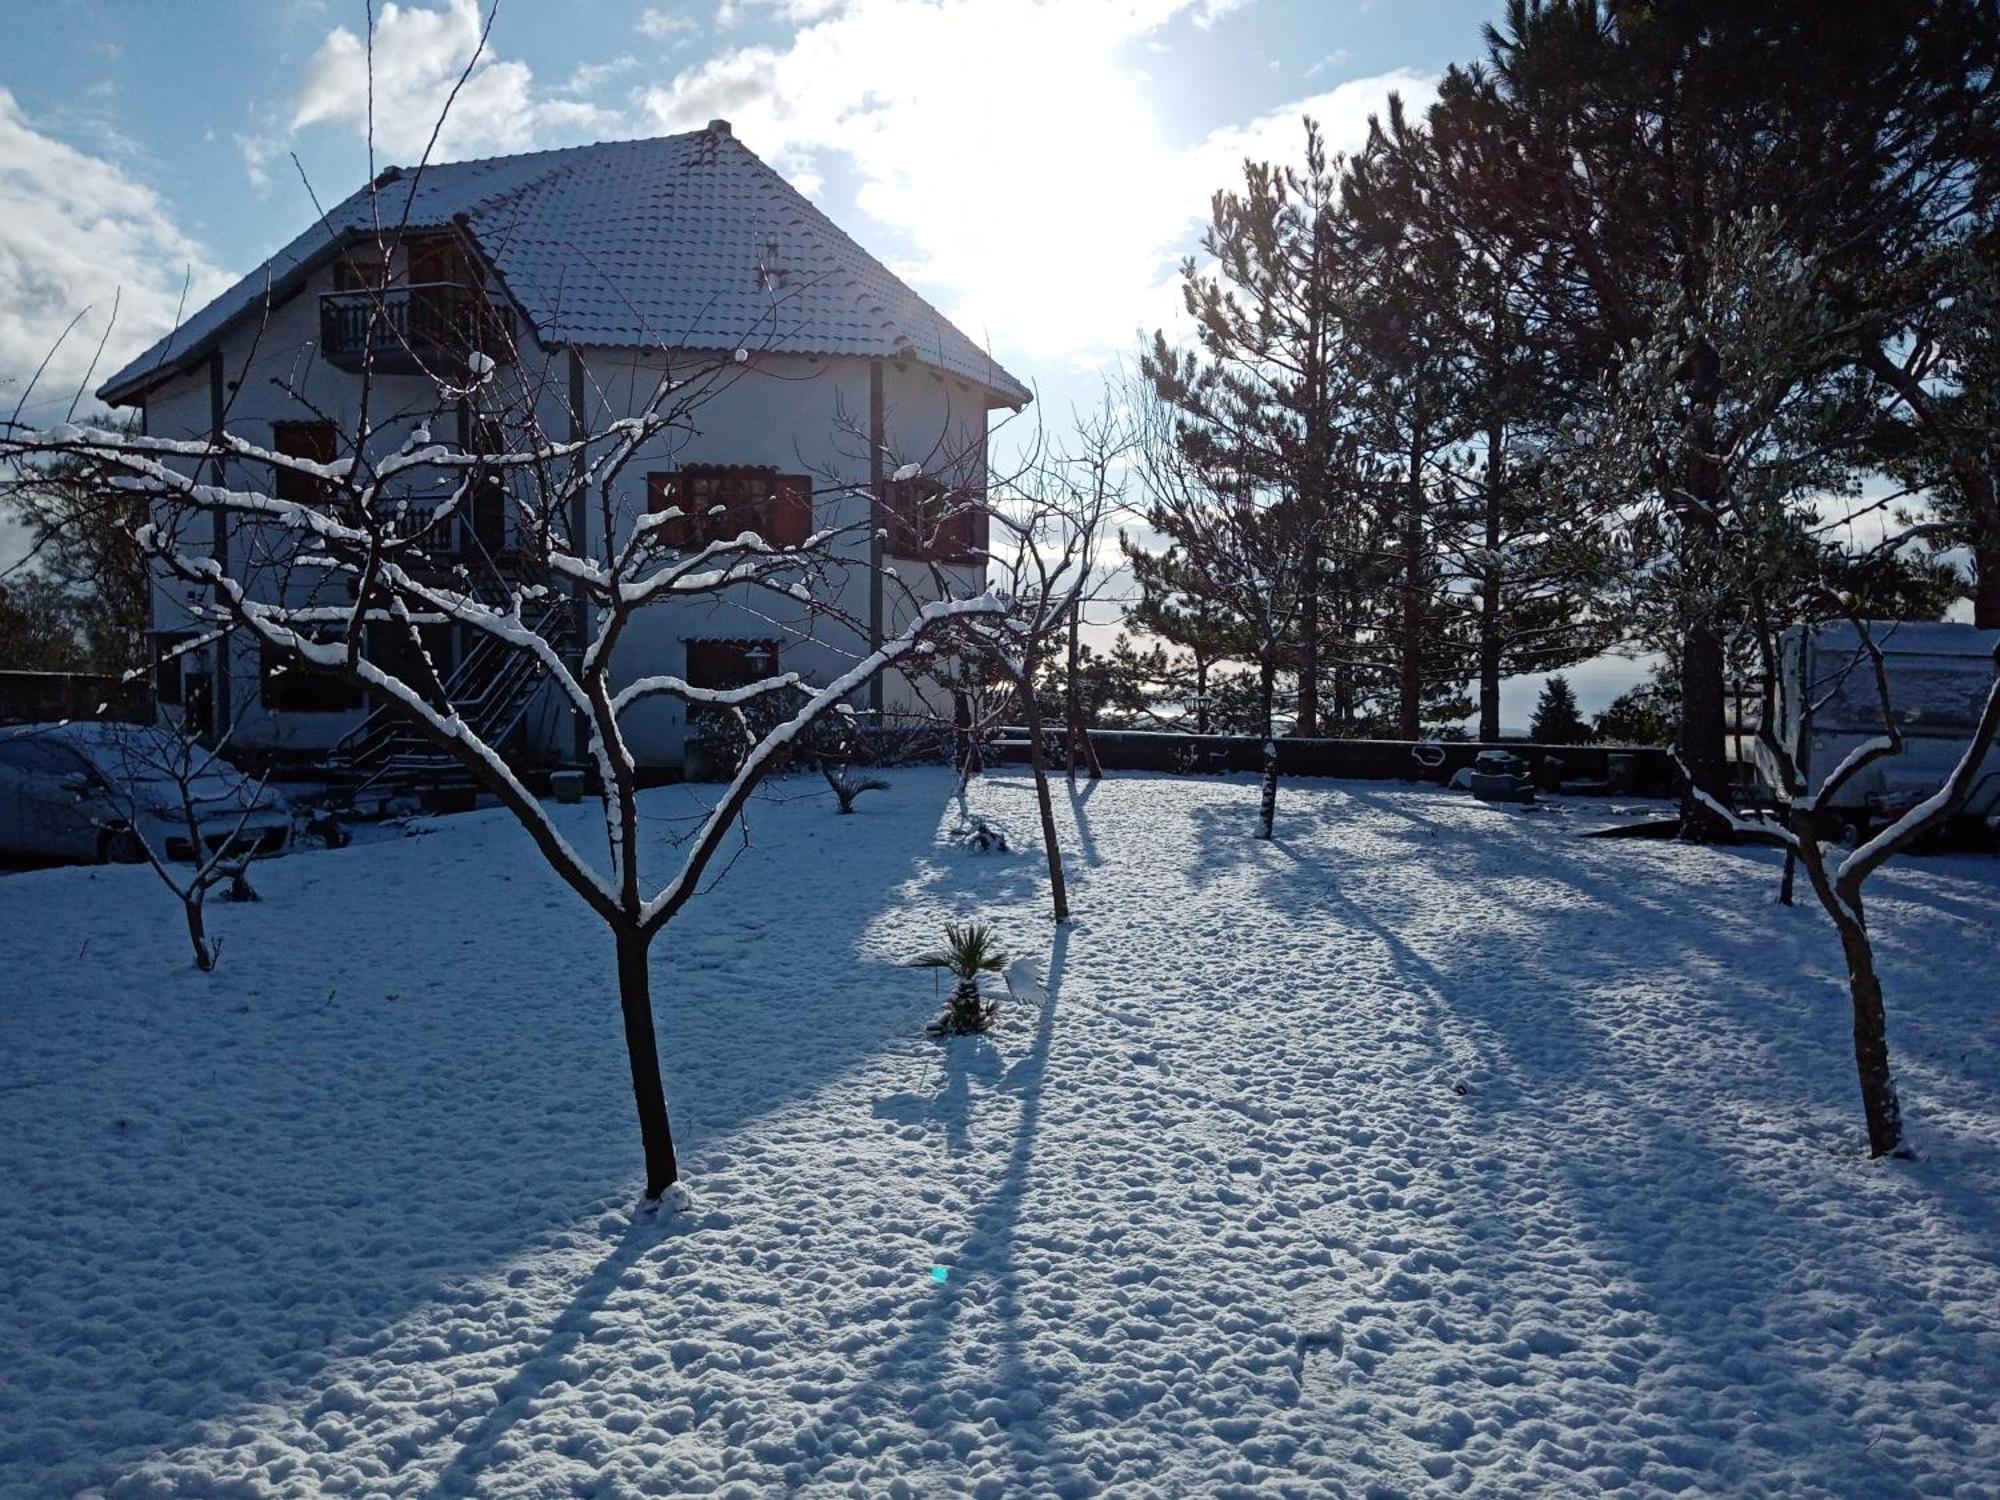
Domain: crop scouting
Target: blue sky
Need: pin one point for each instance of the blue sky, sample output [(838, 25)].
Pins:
[(1036, 167)]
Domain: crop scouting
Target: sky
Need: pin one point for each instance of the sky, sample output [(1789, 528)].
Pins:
[(1037, 168)]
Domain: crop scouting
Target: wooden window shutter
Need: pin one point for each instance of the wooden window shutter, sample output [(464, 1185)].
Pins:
[(905, 522), (661, 494), (954, 536), (791, 511)]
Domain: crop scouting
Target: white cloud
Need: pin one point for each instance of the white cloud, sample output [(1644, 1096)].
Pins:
[(258, 151), (78, 232), (663, 25), (1208, 12), (1015, 148), (588, 76), (420, 52)]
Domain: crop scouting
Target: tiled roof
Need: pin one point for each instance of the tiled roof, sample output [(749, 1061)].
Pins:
[(684, 241)]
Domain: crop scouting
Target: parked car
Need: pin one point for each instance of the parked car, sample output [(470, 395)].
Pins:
[(93, 791)]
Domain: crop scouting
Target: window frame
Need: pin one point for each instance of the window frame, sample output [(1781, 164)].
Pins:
[(927, 521), (757, 498), (288, 484)]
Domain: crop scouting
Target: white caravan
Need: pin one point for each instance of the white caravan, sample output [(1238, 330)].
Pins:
[(1829, 704)]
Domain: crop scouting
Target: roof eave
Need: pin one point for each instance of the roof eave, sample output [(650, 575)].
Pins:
[(282, 289)]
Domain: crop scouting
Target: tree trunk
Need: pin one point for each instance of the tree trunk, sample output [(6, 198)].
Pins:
[(1267, 689), (1410, 696), (968, 739), (1038, 760), (1703, 728), (204, 955), (1079, 733), (1489, 595), (635, 1001), (1842, 904), (1079, 730), (1200, 694), (1704, 722), (1871, 1043), (1986, 583), (1308, 715)]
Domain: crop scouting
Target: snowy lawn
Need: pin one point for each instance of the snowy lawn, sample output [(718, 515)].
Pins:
[(1427, 1150)]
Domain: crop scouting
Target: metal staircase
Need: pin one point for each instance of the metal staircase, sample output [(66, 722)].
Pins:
[(489, 691)]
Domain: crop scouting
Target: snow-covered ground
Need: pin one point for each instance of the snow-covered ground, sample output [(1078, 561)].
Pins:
[(1427, 1150)]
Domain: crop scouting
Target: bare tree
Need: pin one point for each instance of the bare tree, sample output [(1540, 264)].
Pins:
[(1049, 523), (1091, 480), (164, 798), (1802, 832), (338, 579)]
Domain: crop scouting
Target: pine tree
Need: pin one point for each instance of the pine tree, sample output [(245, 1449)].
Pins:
[(1618, 141), (1172, 607), (1267, 396), (1509, 539), (1557, 721), (1643, 715)]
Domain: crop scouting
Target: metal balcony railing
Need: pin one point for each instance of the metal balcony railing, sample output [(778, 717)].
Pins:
[(430, 328)]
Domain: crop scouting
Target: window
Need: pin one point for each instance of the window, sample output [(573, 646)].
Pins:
[(1936, 695), (169, 651), (357, 273), (926, 520), (313, 441), (41, 758), (718, 504), (287, 686), (726, 664)]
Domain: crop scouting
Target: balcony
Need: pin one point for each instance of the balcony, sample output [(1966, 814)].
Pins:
[(431, 328)]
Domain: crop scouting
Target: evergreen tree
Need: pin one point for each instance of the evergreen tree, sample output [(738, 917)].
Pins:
[(1508, 540), (1643, 715), (80, 598), (1556, 720), (1617, 139), (1938, 370), (1171, 606), (1267, 395)]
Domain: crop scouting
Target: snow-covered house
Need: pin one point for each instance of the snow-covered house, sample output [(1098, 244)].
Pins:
[(584, 270)]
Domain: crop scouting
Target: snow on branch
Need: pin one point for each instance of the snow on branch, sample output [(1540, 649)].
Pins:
[(672, 896)]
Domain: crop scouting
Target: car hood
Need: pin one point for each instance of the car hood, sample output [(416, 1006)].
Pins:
[(210, 794)]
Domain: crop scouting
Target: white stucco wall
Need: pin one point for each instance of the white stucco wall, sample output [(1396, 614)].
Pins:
[(272, 374), (801, 416)]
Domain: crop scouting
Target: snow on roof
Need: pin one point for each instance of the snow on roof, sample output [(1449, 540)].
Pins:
[(1912, 637), (683, 241)]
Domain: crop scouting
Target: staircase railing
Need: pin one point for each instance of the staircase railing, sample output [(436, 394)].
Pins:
[(490, 690)]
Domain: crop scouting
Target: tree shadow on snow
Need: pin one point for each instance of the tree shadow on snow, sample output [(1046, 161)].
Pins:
[(1720, 1271), (910, 1376), (456, 1098)]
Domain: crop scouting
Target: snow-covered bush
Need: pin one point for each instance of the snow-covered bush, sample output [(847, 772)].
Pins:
[(977, 836)]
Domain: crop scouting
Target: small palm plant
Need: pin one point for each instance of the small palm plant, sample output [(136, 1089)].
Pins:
[(968, 952)]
